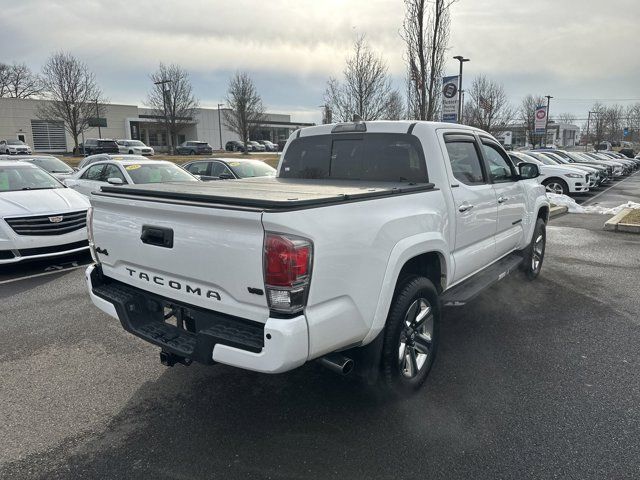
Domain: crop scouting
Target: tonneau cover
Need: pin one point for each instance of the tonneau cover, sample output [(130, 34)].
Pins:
[(267, 192)]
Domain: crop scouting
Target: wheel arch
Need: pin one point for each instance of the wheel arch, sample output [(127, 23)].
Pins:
[(425, 254)]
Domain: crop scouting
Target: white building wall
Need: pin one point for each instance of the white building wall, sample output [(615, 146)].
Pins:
[(16, 115), (208, 128)]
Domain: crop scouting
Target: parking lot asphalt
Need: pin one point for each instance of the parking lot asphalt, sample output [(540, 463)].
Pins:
[(533, 380)]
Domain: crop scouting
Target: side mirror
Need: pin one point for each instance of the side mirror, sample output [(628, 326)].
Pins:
[(115, 181), (528, 170), (76, 169)]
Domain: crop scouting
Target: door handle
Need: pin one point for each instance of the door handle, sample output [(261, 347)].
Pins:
[(502, 199), (465, 207)]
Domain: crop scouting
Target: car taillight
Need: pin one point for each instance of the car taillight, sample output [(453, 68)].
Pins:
[(92, 246), (287, 271)]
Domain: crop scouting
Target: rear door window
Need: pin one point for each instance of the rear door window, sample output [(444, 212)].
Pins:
[(465, 160), (383, 157)]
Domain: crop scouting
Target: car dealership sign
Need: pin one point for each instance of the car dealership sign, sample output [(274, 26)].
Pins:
[(541, 119), (450, 86)]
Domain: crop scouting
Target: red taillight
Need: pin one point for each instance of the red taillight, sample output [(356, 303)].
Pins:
[(287, 271), (287, 260)]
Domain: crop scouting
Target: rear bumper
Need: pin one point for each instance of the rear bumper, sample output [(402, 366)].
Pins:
[(276, 346)]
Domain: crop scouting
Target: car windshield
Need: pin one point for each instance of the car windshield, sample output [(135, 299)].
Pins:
[(106, 143), (51, 164), (528, 158), (15, 142), (25, 177), (158, 173), (135, 143), (543, 158), (252, 168)]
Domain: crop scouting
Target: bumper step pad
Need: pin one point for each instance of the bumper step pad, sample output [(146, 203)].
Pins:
[(143, 314)]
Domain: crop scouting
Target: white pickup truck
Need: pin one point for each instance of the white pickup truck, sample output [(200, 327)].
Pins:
[(346, 256)]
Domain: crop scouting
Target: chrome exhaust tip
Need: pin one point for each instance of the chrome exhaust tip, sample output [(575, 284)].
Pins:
[(337, 363)]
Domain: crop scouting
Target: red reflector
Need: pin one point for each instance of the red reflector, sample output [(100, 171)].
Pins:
[(286, 260)]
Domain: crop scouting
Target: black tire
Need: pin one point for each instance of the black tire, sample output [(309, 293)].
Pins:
[(534, 253), (403, 344), (192, 152), (130, 152), (556, 185)]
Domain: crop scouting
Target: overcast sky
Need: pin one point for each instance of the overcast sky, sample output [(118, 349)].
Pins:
[(575, 50)]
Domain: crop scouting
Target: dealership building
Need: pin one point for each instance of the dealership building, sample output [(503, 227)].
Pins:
[(19, 119)]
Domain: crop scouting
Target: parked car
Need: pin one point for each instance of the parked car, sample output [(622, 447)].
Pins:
[(39, 216), (555, 178), (194, 148), (48, 163), (345, 257), (229, 169), (257, 147), (106, 156), (551, 158), (604, 172), (269, 146), (126, 172), (234, 146), (92, 146), (134, 147), (14, 147)]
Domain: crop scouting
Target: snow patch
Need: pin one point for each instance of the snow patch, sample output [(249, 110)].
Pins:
[(573, 207)]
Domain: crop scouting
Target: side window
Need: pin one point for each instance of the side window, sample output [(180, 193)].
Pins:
[(500, 168), (218, 169), (465, 162), (93, 173), (112, 171), (199, 168)]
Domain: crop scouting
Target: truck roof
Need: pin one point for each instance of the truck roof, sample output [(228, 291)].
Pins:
[(385, 126), (265, 193)]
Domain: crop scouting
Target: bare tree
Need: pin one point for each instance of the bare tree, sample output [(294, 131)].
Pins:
[(566, 118), (4, 79), (172, 100), (21, 82), (245, 106), (366, 88), (425, 31), (598, 124), (527, 115), (633, 121), (614, 119), (488, 108), (73, 94), (395, 107)]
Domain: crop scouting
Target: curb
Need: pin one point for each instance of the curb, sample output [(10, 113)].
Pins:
[(557, 210), (614, 225)]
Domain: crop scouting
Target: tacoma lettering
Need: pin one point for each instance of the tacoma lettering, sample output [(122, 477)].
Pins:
[(173, 284)]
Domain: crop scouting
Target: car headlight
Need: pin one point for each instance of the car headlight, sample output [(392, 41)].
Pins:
[(573, 175)]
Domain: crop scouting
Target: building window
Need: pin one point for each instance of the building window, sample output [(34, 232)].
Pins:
[(153, 139)]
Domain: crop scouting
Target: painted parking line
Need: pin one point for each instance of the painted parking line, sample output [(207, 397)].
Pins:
[(36, 275), (607, 189)]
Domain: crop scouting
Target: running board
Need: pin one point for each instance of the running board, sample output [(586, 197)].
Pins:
[(467, 290)]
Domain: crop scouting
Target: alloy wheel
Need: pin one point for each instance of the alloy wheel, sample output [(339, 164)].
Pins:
[(555, 187), (538, 252), (416, 338)]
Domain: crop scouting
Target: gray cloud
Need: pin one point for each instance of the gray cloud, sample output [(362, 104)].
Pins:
[(569, 49)]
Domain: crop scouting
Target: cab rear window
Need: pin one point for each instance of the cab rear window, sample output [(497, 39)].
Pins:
[(381, 157)]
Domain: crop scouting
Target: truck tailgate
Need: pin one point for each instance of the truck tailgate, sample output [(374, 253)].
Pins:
[(215, 260)]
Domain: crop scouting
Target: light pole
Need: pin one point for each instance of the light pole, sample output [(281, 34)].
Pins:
[(220, 125), (164, 105), (546, 124), (461, 59), (98, 120)]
